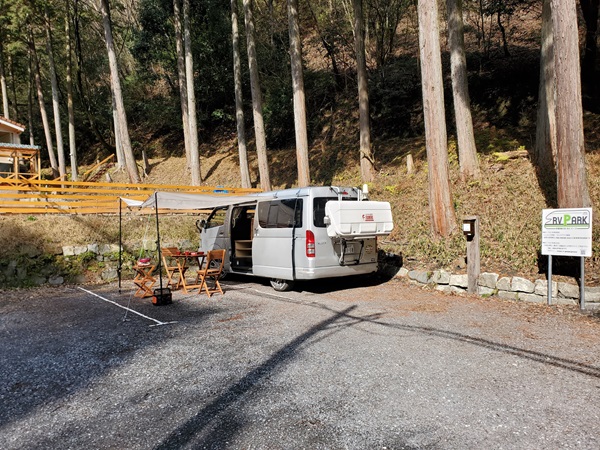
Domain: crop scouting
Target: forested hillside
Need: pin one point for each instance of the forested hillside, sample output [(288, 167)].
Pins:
[(326, 92)]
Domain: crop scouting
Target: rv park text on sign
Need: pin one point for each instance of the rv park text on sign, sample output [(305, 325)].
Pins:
[(567, 232)]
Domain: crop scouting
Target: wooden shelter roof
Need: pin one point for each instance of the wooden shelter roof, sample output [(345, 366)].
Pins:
[(11, 125)]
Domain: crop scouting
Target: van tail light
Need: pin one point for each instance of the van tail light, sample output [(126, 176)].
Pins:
[(310, 244)]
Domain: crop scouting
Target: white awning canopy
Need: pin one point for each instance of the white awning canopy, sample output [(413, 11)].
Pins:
[(131, 202), (175, 200)]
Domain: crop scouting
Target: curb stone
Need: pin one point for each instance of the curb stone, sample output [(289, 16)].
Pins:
[(419, 276), (509, 295), (440, 277), (541, 288), (485, 291), (519, 284), (512, 288), (566, 290), (459, 280), (533, 298), (488, 280), (503, 284)]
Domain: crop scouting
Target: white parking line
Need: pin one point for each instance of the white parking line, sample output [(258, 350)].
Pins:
[(157, 322)]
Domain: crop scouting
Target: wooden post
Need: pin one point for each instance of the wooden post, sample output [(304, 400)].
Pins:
[(410, 166), (146, 163), (471, 231)]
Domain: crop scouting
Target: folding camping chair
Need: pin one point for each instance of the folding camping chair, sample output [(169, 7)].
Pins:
[(173, 266), (144, 280), (213, 269)]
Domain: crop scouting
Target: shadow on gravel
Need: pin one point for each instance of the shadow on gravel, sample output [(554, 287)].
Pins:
[(325, 285), (212, 426), (56, 345), (388, 266), (217, 424), (539, 357)]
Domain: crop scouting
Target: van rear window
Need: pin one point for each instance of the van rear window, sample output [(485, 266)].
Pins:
[(319, 209), (280, 213)]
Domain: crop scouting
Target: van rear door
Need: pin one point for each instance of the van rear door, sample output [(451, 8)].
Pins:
[(274, 240)]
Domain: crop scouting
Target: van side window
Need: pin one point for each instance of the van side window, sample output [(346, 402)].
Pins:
[(216, 218), (280, 213)]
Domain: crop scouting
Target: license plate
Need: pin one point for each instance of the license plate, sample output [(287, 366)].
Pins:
[(350, 248)]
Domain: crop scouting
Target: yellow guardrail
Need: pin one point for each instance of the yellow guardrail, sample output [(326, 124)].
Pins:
[(88, 172), (84, 197)]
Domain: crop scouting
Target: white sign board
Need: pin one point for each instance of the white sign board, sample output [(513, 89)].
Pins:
[(567, 232)]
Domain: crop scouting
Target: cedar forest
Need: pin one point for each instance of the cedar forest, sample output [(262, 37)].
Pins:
[(312, 79)]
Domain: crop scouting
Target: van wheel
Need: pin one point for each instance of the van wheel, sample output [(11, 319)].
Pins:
[(281, 285), (215, 265)]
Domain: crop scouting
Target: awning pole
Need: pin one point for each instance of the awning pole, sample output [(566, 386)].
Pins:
[(158, 243), (120, 244)]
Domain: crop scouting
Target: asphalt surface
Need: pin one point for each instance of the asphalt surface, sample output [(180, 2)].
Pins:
[(346, 364)]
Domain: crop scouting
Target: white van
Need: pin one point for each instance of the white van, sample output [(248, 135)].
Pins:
[(299, 234)]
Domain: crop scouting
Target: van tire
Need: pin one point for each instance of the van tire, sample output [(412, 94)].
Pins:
[(281, 285), (215, 265)]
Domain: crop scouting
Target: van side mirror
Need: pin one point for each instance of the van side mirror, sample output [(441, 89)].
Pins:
[(200, 224)]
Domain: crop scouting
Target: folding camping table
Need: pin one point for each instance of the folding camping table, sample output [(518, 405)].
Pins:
[(182, 262)]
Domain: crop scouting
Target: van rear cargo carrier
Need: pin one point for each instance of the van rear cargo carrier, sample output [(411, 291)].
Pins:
[(357, 220)]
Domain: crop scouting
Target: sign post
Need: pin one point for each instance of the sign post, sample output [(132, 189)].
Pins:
[(567, 232), (471, 232)]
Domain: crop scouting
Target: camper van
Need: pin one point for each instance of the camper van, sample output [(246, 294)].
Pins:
[(298, 234)]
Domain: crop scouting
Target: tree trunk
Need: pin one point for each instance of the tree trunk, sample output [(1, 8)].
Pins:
[(328, 39), (572, 180), (191, 96), (30, 102), (121, 160), (185, 118), (271, 22), (257, 109), (132, 170), (299, 98), (83, 92), (70, 108), (467, 152), (55, 101), (545, 139), (239, 104), (367, 162), (42, 103), (443, 220), (5, 111), (503, 34), (13, 85)]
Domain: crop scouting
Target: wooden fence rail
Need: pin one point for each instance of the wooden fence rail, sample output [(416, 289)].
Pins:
[(81, 197)]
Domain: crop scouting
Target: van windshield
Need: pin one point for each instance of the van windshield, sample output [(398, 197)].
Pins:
[(319, 209), (216, 218)]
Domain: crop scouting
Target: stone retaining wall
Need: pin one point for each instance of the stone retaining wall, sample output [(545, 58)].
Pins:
[(72, 264), (512, 288)]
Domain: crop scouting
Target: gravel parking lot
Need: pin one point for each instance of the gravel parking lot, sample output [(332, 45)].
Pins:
[(345, 364)]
